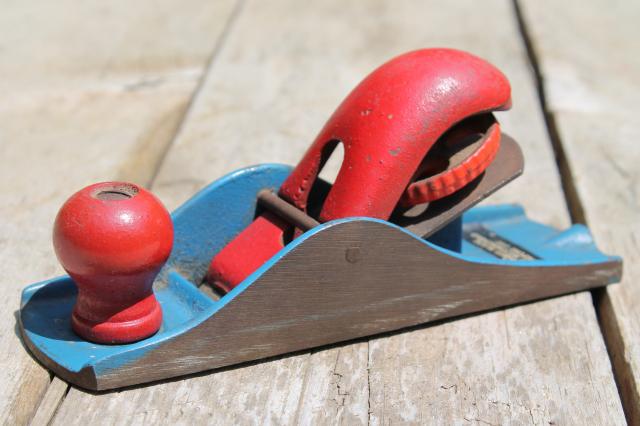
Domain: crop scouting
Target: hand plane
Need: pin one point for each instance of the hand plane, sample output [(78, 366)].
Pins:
[(290, 261)]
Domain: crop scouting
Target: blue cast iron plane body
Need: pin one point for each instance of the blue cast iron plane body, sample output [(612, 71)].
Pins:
[(213, 217)]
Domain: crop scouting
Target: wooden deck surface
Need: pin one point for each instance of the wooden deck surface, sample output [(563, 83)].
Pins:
[(172, 95)]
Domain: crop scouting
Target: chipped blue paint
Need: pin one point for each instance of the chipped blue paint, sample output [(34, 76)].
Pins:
[(205, 223), (46, 311), (573, 246), (202, 226)]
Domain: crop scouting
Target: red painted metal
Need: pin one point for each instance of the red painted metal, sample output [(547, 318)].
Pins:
[(265, 234), (113, 238), (387, 125)]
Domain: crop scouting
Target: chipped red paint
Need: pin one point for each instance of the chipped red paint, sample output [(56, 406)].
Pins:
[(387, 125)]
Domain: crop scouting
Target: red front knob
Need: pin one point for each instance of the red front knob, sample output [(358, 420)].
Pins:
[(113, 238)]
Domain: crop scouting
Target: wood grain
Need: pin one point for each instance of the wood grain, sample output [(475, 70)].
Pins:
[(50, 402), (90, 91), (592, 86), (282, 71)]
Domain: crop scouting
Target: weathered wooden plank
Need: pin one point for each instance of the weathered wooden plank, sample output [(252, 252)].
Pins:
[(50, 402), (284, 68), (91, 91), (591, 74)]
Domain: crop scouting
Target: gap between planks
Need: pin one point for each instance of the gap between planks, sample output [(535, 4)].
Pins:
[(233, 17), (58, 389), (51, 400), (608, 326), (574, 205)]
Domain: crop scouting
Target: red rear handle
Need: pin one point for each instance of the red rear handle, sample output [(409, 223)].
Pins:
[(387, 125)]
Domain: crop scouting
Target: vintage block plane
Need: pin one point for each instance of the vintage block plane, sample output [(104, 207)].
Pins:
[(293, 262)]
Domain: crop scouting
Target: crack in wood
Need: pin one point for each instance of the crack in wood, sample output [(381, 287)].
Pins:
[(609, 330)]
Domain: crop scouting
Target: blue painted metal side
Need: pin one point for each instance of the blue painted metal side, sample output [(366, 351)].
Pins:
[(202, 226), (573, 246), (213, 217)]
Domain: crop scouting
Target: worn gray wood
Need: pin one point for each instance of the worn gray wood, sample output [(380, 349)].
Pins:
[(588, 54), (50, 402), (283, 69), (90, 91)]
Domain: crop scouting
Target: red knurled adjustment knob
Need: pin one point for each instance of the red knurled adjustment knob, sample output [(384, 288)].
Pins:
[(113, 238)]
